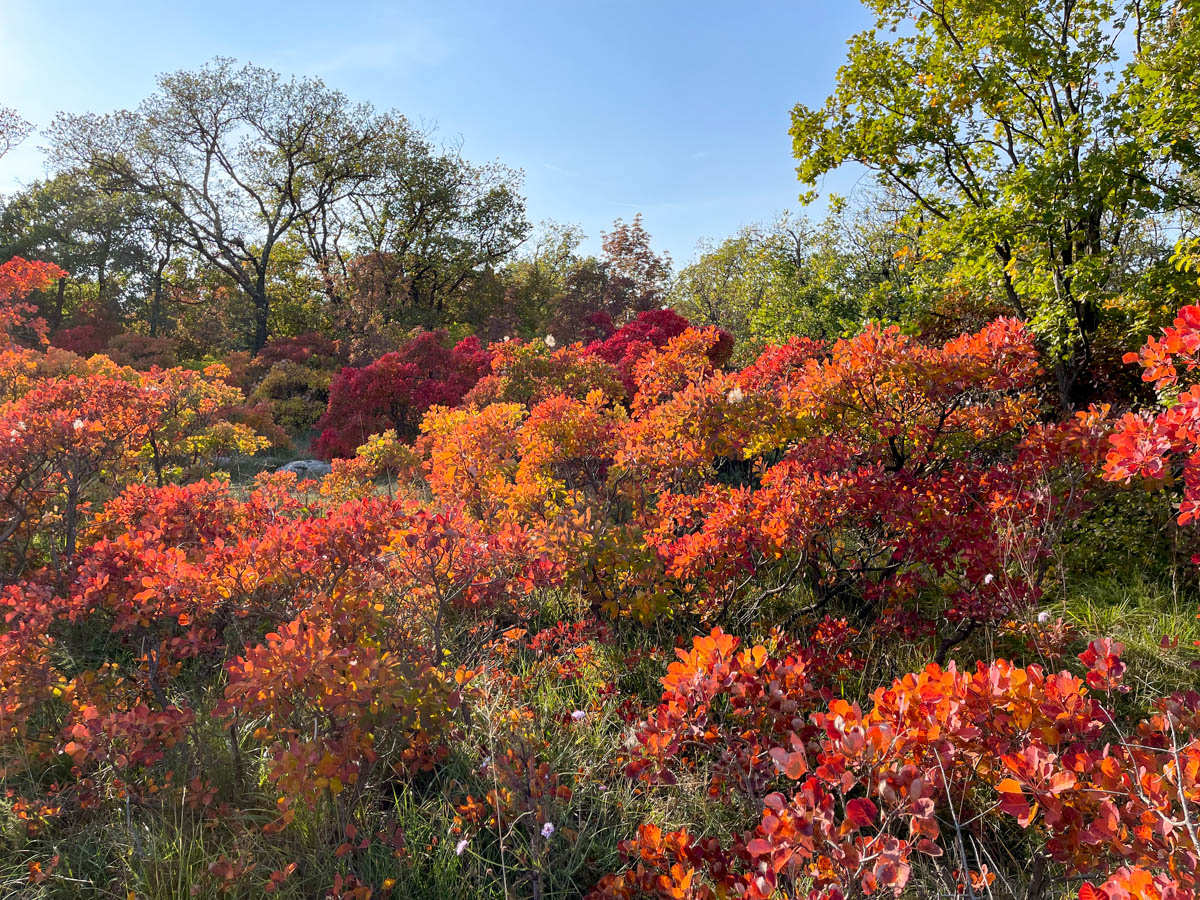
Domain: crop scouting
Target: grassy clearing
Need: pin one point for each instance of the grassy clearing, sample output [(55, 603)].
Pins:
[(1155, 617)]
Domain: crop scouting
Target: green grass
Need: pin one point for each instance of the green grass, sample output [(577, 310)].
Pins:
[(1153, 615)]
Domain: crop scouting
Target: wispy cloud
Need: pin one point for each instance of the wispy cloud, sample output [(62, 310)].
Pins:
[(409, 46), (559, 170)]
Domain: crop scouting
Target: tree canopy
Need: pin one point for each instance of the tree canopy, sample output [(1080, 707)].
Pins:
[(1031, 140)]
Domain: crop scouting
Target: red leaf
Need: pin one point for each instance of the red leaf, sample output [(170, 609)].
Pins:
[(861, 812)]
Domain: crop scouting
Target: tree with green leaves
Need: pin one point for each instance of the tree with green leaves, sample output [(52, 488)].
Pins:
[(550, 287), (746, 279), (415, 231), (1027, 135), (239, 155), (792, 277), (97, 236), (529, 289)]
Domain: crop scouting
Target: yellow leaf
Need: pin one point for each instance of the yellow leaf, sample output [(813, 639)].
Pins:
[(1009, 786)]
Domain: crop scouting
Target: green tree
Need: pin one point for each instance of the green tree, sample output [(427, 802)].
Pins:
[(789, 277), (413, 234), (1026, 140), (298, 301), (97, 236), (532, 285), (733, 284), (240, 156)]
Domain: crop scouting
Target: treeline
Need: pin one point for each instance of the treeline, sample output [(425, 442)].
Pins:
[(1036, 161), (234, 205)]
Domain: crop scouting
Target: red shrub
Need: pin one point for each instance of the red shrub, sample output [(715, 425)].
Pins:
[(1163, 447), (937, 770), (396, 390), (310, 349), (87, 338), (649, 331)]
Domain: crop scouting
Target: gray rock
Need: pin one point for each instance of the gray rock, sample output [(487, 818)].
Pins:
[(307, 468)]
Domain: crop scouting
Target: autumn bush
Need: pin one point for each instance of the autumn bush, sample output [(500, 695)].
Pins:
[(396, 390), (528, 372), (87, 338), (938, 769), (609, 620), (142, 352), (650, 330), (311, 349)]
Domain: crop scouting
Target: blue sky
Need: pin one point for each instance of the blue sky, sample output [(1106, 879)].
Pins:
[(676, 110)]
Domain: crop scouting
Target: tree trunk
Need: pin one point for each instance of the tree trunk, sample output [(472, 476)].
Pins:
[(156, 298), (262, 310), (59, 298), (101, 283), (259, 297), (1065, 379)]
